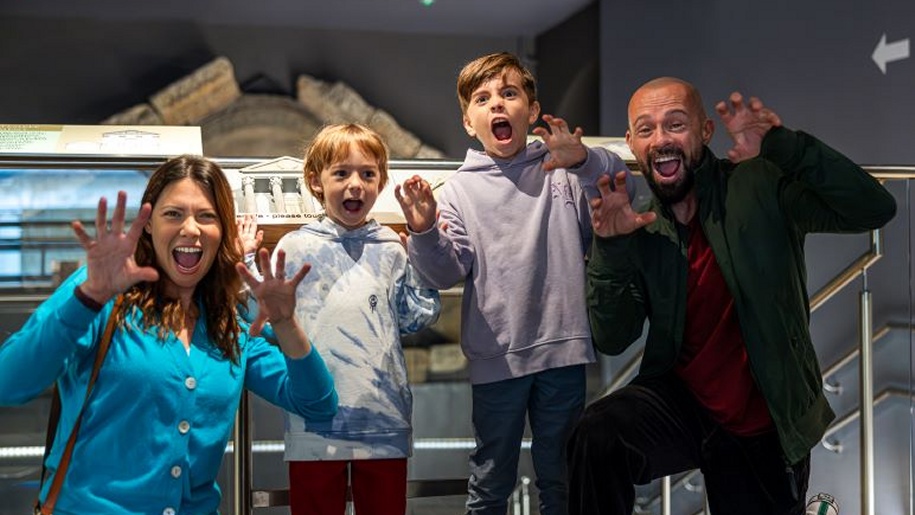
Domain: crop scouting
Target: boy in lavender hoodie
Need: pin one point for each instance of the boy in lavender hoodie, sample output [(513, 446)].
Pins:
[(514, 226)]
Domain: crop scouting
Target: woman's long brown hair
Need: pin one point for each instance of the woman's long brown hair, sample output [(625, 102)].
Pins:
[(219, 291)]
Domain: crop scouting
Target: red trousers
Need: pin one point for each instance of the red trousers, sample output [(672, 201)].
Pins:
[(379, 487)]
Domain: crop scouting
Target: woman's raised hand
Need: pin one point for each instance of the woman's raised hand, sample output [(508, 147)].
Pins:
[(274, 293), (111, 268)]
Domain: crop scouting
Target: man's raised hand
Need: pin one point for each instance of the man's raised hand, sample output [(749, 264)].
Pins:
[(611, 213)]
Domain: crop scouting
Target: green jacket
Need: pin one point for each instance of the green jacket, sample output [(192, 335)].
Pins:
[(755, 215)]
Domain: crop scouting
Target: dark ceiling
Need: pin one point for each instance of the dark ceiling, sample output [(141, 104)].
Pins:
[(490, 17)]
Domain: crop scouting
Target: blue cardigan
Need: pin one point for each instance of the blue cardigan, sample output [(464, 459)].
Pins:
[(153, 436)]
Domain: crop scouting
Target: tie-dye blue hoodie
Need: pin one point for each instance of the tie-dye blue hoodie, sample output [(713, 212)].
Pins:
[(359, 297)]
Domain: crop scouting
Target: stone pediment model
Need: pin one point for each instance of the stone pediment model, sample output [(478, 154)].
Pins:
[(238, 124), (275, 191)]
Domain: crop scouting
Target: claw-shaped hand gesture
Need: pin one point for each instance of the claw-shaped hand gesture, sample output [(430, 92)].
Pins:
[(249, 236), (110, 265), (566, 148), (275, 294), (417, 202), (747, 124), (611, 213)]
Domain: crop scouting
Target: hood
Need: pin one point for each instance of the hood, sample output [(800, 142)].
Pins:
[(372, 230), (477, 160)]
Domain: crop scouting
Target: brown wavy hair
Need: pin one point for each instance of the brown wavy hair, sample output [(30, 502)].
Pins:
[(220, 289), (484, 68), (331, 145)]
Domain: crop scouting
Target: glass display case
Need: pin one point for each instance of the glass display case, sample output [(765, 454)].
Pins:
[(40, 195)]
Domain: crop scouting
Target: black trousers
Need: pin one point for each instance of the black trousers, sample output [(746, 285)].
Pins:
[(653, 428)]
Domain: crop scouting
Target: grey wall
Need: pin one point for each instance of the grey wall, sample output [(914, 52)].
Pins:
[(568, 70), (811, 61)]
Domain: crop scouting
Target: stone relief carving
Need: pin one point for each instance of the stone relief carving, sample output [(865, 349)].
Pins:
[(238, 124)]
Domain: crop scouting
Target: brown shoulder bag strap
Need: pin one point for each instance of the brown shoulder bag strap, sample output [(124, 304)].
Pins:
[(48, 507)]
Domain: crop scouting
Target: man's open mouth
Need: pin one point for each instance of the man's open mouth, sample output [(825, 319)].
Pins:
[(667, 163)]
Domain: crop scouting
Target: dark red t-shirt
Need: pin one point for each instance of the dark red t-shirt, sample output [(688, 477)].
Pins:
[(713, 361)]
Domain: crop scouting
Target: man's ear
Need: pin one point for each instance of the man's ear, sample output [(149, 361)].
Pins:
[(708, 129), (629, 139)]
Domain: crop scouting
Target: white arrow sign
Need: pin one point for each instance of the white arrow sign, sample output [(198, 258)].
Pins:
[(887, 53)]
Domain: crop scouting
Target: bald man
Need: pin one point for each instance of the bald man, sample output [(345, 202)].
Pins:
[(729, 381)]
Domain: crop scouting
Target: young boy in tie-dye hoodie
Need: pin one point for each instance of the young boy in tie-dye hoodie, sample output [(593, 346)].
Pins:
[(359, 297)]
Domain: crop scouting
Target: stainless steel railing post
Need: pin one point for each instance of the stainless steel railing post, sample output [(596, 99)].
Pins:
[(866, 407), (241, 458), (665, 495)]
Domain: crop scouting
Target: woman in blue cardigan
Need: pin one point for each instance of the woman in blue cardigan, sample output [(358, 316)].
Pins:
[(152, 436)]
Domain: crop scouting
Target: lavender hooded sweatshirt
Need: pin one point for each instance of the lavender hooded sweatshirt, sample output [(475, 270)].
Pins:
[(516, 235)]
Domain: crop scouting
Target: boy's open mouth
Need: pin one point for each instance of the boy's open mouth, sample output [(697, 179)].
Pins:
[(352, 205), (502, 130)]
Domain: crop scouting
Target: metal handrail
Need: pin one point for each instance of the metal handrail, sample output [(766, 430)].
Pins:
[(852, 355), (854, 415), (850, 272), (890, 172), (818, 299), (663, 497)]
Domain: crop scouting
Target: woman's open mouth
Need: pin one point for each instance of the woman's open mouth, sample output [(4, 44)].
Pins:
[(187, 258)]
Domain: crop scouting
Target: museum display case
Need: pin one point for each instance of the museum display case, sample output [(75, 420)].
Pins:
[(40, 194)]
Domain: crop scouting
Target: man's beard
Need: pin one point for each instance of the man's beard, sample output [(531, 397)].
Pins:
[(671, 193)]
